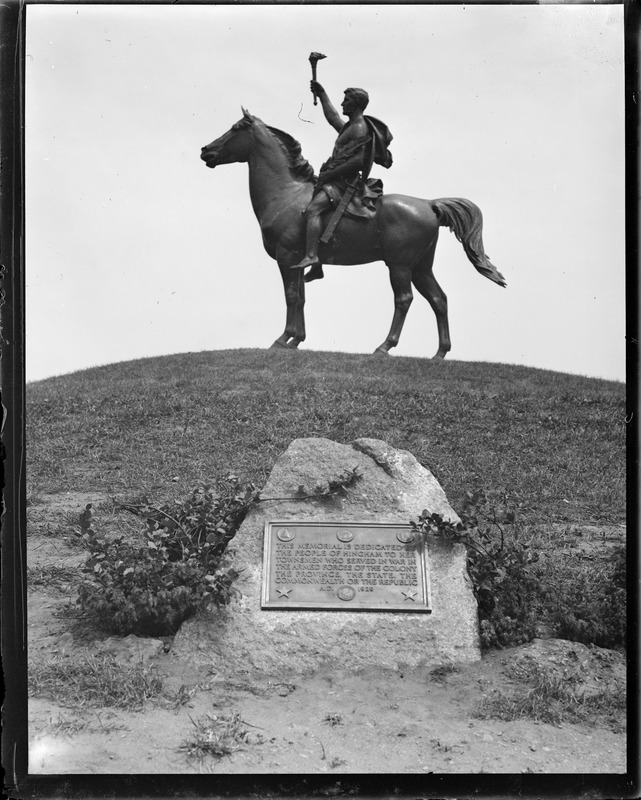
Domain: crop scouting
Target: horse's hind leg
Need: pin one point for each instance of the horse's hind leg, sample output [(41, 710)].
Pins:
[(402, 287), (425, 282), (294, 287)]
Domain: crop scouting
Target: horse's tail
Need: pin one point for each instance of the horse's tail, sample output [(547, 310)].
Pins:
[(465, 220)]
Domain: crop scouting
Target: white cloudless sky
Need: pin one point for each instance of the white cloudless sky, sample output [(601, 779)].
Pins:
[(134, 248)]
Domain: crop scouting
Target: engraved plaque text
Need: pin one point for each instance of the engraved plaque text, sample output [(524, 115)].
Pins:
[(347, 566)]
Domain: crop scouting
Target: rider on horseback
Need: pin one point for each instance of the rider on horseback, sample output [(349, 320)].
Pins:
[(361, 141)]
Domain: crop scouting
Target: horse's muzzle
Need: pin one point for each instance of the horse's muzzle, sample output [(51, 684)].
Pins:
[(209, 157)]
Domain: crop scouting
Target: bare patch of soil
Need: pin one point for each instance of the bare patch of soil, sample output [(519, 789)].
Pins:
[(379, 721)]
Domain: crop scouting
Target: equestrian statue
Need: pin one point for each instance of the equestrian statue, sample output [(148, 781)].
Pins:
[(342, 215)]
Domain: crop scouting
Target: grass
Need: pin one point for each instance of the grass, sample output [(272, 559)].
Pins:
[(217, 736), (52, 574), (181, 696), (557, 700), (57, 522), (71, 727), (93, 681), (551, 442)]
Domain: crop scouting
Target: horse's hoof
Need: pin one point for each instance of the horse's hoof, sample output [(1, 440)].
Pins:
[(278, 345), (439, 355), (380, 352)]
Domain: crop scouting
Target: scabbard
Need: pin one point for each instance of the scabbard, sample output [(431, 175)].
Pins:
[(340, 210)]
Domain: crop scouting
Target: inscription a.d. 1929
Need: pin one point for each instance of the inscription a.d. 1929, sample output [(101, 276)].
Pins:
[(352, 566)]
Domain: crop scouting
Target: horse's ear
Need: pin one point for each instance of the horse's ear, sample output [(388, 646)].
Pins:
[(246, 113)]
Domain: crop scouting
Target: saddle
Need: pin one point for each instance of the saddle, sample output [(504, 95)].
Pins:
[(363, 203)]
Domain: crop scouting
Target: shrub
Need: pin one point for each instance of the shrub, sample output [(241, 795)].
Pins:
[(178, 565), (513, 587), (500, 566)]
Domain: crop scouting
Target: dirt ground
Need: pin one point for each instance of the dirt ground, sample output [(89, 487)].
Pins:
[(376, 721)]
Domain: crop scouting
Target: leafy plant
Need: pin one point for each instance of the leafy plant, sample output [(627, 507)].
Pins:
[(334, 487), (178, 565), (500, 566)]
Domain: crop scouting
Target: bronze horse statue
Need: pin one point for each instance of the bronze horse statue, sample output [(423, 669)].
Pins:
[(403, 233)]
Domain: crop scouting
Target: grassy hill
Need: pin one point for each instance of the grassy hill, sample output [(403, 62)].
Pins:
[(550, 442)]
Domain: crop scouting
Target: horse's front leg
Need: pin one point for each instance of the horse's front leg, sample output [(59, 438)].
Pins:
[(402, 286), (294, 287), (299, 322)]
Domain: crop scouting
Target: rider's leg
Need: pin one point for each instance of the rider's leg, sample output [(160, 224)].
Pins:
[(314, 228)]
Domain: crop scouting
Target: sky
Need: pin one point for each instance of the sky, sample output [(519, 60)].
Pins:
[(134, 248)]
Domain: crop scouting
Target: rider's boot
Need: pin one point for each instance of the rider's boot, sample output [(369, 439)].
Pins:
[(315, 273)]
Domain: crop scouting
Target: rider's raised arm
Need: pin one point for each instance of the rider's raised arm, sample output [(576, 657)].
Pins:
[(331, 114)]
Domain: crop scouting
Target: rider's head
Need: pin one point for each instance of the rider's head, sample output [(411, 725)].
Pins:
[(359, 97)]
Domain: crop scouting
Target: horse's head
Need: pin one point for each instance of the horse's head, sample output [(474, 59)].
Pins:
[(231, 147)]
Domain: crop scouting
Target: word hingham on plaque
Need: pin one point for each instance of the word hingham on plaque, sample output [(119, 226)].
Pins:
[(352, 567)]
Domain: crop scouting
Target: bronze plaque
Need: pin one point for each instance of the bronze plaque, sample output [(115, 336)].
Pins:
[(352, 566)]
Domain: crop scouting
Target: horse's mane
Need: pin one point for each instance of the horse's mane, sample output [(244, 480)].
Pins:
[(300, 167)]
